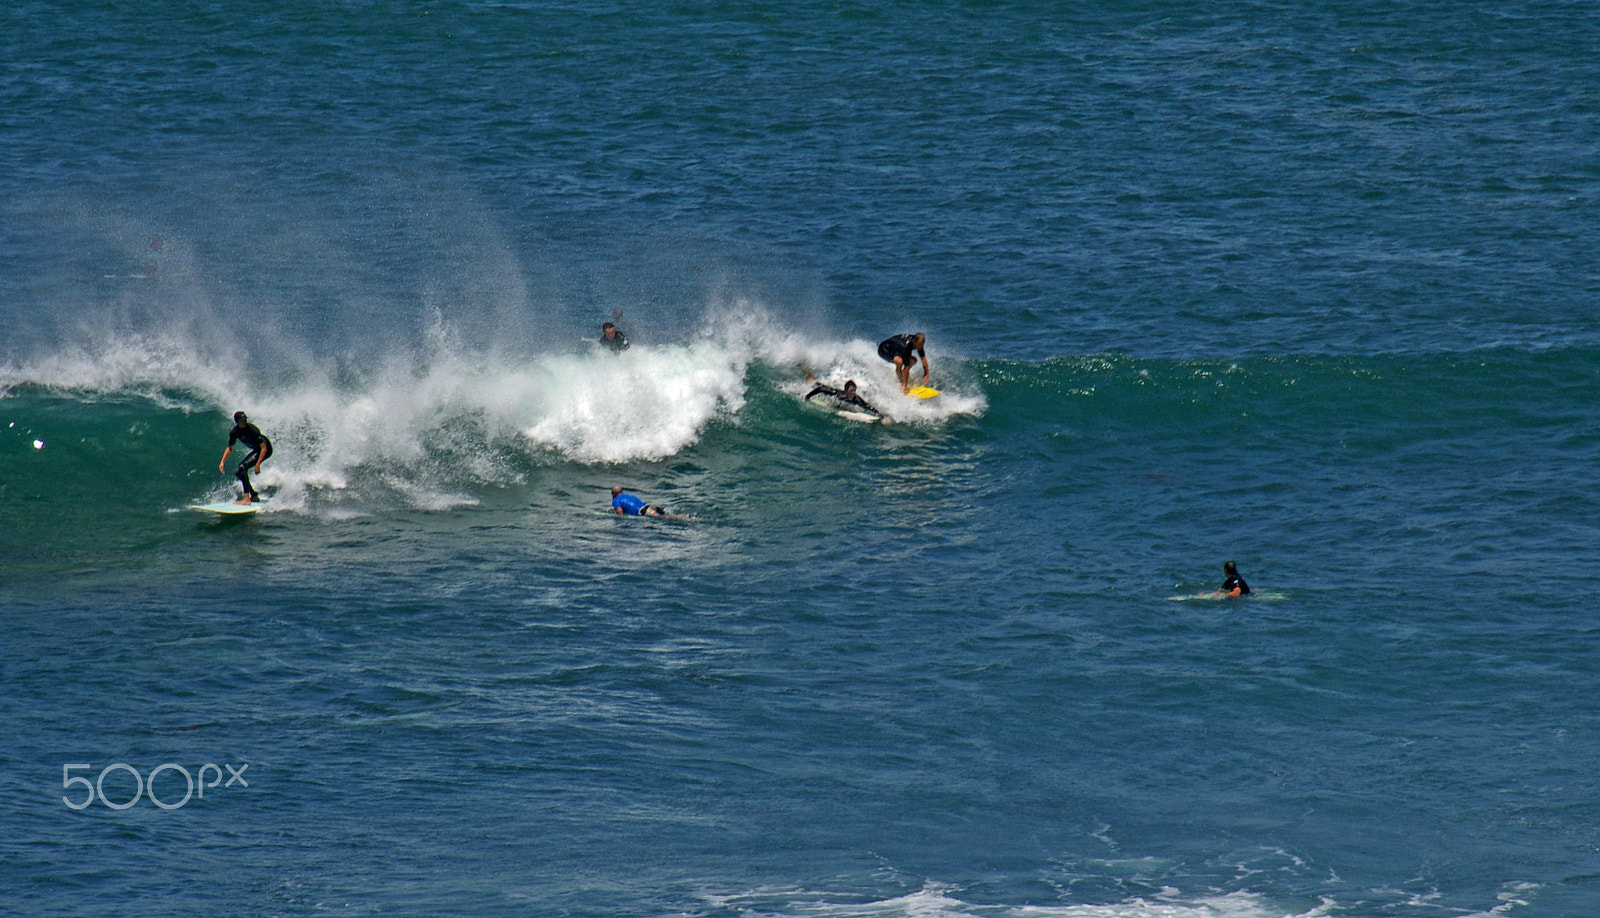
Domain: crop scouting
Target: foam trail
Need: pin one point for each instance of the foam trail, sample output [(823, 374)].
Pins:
[(426, 432), (640, 404), (153, 365), (937, 901), (836, 362), (429, 427)]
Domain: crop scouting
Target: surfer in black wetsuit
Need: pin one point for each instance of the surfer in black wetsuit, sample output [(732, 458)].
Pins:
[(846, 397), (1234, 585), (612, 337), (902, 351), (260, 448)]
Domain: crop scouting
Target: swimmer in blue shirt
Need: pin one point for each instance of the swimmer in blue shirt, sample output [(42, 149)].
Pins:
[(626, 504)]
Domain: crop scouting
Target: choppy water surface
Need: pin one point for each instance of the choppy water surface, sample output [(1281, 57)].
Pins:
[(1309, 289)]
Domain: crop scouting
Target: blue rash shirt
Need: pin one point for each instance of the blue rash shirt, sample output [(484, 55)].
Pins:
[(628, 503)]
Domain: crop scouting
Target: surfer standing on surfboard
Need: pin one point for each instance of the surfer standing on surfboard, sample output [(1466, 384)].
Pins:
[(260, 448), (901, 350), (846, 397)]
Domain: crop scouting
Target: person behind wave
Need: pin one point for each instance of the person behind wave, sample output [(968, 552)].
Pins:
[(1234, 585), (902, 351), (846, 397), (612, 337), (260, 448), (626, 504)]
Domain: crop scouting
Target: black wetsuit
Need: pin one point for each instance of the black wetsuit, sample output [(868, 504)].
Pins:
[(838, 395), (617, 342), (900, 346), (260, 448), (1236, 583)]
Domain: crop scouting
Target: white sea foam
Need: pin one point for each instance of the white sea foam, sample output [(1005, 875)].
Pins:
[(939, 901), (836, 362), (428, 423)]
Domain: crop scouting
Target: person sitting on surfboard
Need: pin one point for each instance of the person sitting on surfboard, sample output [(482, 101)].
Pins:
[(846, 397), (1234, 585), (901, 350), (612, 337), (631, 505), (260, 448)]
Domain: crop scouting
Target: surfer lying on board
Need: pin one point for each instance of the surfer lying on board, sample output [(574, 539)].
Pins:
[(612, 337), (260, 448), (901, 350), (1234, 585), (626, 504), (846, 398)]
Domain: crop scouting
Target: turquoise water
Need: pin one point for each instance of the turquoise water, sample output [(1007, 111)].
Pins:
[(1308, 288)]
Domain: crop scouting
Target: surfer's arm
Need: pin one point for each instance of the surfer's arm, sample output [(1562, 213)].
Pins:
[(926, 366), (224, 461)]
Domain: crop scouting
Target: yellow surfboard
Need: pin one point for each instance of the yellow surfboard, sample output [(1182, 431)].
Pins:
[(923, 391)]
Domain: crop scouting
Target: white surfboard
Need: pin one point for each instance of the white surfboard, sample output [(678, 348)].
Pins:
[(844, 409), (228, 507), (861, 416), (669, 518)]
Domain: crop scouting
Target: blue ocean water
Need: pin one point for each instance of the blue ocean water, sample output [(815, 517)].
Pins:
[(1308, 287)]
